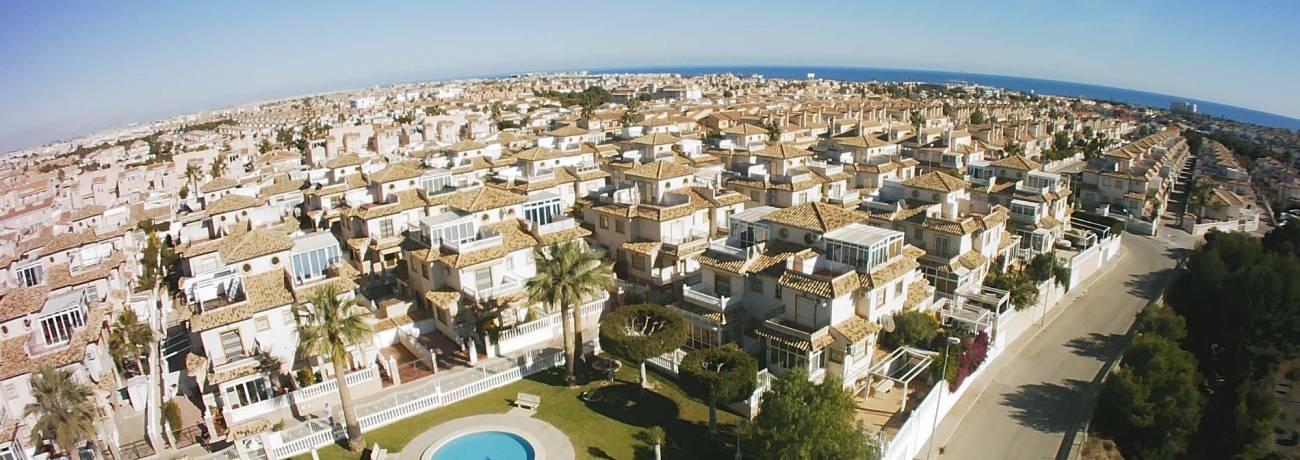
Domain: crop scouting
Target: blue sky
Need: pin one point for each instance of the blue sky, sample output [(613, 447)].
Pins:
[(71, 67)]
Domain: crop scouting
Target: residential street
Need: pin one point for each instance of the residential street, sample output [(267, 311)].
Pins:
[(1039, 395)]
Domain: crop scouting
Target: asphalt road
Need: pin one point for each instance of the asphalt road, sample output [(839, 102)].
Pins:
[(1038, 396)]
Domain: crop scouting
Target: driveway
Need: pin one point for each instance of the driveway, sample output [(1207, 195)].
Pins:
[(1038, 393)]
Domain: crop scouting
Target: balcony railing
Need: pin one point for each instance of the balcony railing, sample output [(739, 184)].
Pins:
[(486, 238), (720, 245), (696, 295), (843, 197), (695, 240), (557, 225), (508, 285), (777, 324)]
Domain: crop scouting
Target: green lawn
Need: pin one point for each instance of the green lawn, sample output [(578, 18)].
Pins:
[(600, 430)]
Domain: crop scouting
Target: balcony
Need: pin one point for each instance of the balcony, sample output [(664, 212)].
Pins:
[(695, 294), (509, 285), (219, 292), (1024, 217), (557, 225), (721, 245), (693, 241), (844, 197), (485, 238), (586, 167)]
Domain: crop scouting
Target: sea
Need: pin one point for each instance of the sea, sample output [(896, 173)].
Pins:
[(1035, 85)]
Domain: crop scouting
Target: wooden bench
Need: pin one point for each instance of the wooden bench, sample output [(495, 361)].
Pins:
[(527, 401)]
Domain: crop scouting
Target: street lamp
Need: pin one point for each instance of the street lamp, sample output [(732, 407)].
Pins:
[(943, 379)]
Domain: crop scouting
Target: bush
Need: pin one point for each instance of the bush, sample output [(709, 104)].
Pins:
[(911, 328), (306, 377), (172, 412)]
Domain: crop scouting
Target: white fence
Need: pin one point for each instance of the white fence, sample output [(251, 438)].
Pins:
[(406, 404), (547, 328), (1087, 262), (284, 401), (906, 444)]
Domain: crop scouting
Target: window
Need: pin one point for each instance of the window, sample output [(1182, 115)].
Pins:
[(289, 317), (232, 345), (263, 323), (313, 264), (755, 284), (941, 246), (785, 357), (7, 453), (638, 261), (722, 285), (542, 212), (483, 279), (245, 393), (58, 328), (604, 222), (620, 226), (898, 288), (858, 348), (386, 228), (31, 276), (701, 337)]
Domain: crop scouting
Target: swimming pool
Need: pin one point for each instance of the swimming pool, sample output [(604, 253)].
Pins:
[(485, 445)]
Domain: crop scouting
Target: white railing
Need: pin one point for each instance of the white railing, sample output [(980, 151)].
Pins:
[(486, 238), (547, 328), (330, 386), (843, 197), (558, 225), (508, 285), (299, 396), (695, 294), (418, 400), (720, 245)]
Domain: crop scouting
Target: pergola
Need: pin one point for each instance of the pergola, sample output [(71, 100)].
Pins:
[(900, 366)]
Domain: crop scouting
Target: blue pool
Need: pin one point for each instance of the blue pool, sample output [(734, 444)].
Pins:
[(485, 445)]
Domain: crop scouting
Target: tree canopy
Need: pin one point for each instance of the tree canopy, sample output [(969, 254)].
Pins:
[(64, 410), (1240, 296), (911, 328), (721, 375), (1150, 406), (801, 420)]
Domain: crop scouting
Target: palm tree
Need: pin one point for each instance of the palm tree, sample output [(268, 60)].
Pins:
[(129, 338), (64, 410), (192, 176), (568, 273), (327, 326), (1022, 289), (219, 166), (1198, 197), (918, 121)]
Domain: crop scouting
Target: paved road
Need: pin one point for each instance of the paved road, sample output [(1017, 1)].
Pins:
[(1036, 397)]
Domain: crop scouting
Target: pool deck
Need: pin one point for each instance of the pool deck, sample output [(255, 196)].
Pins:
[(549, 443)]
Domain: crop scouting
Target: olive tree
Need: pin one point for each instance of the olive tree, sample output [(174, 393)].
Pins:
[(640, 332), (724, 375)]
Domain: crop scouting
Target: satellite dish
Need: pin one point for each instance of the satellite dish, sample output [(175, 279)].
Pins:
[(887, 322)]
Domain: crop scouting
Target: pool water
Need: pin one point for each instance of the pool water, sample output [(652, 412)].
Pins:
[(485, 445)]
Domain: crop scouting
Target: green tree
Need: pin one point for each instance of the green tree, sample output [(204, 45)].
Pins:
[(1023, 290), (640, 332), (1012, 148), (64, 410), (721, 375), (917, 119), (1047, 266), (800, 420), (911, 328), (1162, 321), (327, 326), (265, 145), (184, 192), (1150, 406), (219, 166), (130, 339), (1198, 197), (567, 275), (192, 176), (977, 117), (1061, 141)]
